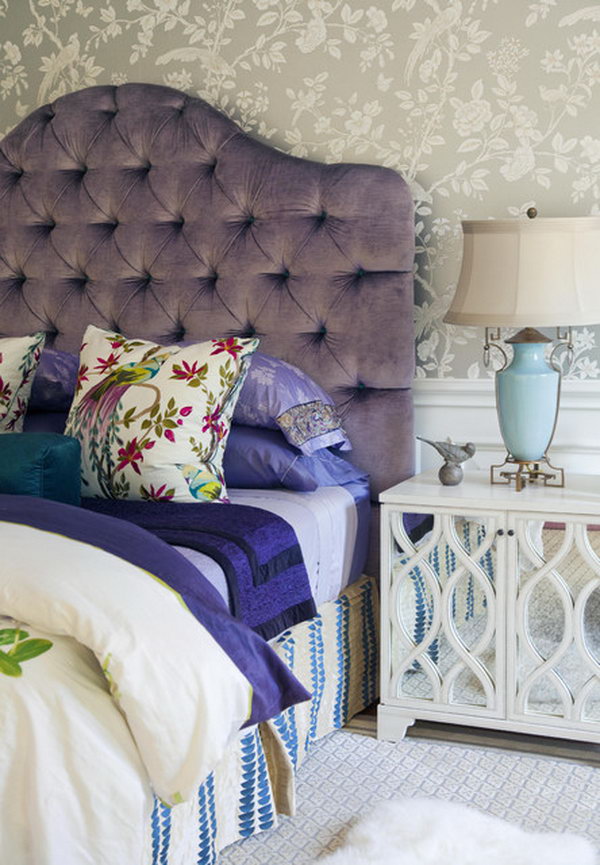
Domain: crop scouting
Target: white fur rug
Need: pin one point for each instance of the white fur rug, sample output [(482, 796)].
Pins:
[(437, 832)]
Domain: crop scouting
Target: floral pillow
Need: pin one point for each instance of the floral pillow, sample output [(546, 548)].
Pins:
[(153, 420), (19, 357)]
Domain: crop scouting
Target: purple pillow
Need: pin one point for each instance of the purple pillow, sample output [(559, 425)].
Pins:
[(277, 395), (258, 458), (55, 380), (45, 421), (261, 459)]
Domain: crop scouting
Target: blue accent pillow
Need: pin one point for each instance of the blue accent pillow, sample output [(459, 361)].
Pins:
[(45, 465), (257, 458)]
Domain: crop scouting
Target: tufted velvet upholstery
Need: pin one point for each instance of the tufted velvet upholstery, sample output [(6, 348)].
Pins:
[(142, 209)]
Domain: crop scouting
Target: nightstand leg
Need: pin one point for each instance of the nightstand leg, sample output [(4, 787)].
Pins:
[(392, 723)]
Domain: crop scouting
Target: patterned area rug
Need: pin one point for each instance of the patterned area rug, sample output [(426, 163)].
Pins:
[(347, 774)]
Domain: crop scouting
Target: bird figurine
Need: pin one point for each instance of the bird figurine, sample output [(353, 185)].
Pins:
[(451, 472), (203, 484)]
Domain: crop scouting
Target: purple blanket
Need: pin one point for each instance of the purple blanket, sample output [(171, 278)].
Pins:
[(274, 687), (258, 551)]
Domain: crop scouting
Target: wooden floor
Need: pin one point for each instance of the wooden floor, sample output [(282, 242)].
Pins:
[(579, 752)]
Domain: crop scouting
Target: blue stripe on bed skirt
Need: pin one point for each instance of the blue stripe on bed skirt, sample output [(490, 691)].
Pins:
[(207, 822), (317, 676), (340, 709)]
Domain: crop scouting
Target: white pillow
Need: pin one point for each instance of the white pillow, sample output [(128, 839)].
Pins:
[(153, 420), (19, 357)]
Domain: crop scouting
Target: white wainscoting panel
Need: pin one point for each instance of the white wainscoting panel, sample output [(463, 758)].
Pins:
[(465, 410)]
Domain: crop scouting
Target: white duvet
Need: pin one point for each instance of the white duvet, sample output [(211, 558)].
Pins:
[(78, 763)]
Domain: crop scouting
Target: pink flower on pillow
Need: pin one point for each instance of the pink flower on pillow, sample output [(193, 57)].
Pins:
[(5, 390), (162, 494), (189, 372), (229, 345), (213, 421), (106, 365), (132, 453), (81, 377)]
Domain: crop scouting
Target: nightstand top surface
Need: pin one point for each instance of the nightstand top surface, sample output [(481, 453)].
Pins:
[(580, 495)]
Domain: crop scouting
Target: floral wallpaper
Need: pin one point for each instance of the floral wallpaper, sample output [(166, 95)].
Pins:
[(485, 106)]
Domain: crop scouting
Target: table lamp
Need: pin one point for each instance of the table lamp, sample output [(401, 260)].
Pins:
[(528, 273)]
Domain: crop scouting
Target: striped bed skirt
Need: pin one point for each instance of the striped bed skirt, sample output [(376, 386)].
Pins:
[(335, 655)]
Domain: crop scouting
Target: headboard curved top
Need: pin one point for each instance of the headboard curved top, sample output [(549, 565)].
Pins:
[(143, 209)]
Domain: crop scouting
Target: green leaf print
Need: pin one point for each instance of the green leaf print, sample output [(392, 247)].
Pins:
[(30, 649), (22, 649), (9, 635), (8, 665)]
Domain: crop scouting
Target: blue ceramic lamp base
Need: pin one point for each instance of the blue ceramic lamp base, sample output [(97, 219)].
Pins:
[(527, 398)]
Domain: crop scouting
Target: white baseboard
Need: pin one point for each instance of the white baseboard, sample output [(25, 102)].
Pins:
[(465, 410)]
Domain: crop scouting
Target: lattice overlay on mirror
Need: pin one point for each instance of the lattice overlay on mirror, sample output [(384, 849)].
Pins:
[(557, 621), (443, 613)]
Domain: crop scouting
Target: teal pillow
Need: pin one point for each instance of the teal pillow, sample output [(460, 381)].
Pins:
[(46, 465)]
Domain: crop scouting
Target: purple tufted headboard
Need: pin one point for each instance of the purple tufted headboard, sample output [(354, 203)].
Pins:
[(146, 210)]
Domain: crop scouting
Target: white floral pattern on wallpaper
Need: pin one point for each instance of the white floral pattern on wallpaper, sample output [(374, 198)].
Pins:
[(485, 106)]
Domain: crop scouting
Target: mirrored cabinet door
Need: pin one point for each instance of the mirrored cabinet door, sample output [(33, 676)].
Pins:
[(445, 613), (554, 613)]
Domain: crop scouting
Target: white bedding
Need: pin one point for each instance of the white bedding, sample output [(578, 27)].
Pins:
[(325, 522), (179, 709)]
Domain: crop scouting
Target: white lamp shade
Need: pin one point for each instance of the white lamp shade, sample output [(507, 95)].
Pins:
[(539, 272)]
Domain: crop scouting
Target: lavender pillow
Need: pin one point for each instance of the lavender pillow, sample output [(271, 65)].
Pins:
[(261, 459), (277, 395), (54, 382), (258, 458)]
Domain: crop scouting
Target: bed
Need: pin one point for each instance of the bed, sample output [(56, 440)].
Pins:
[(145, 211)]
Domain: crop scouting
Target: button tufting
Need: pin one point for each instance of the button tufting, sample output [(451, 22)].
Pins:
[(322, 330), (360, 272), (83, 170), (285, 274), (250, 220), (322, 216), (361, 385)]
